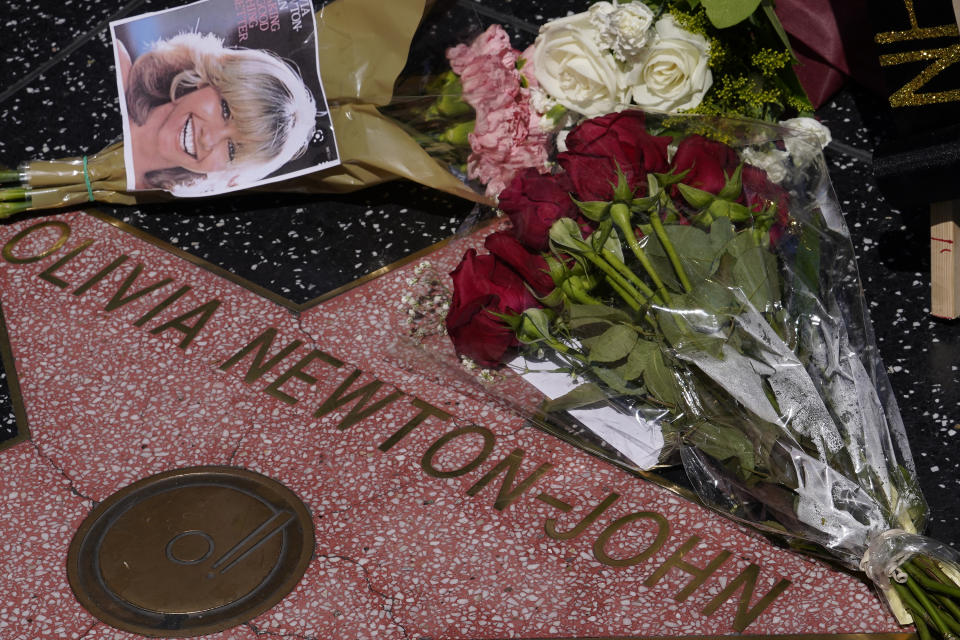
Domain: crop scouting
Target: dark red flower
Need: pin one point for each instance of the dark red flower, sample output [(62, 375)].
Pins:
[(482, 287), (597, 147), (532, 267), (759, 193), (708, 163), (533, 202)]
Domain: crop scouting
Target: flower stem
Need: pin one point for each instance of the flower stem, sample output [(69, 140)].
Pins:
[(13, 194), (625, 271), (935, 614), (671, 251), (916, 610), (612, 274), (620, 214), (623, 293), (941, 585), (576, 291), (8, 209)]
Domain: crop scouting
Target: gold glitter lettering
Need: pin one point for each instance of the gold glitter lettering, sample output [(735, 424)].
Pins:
[(940, 59), (916, 32)]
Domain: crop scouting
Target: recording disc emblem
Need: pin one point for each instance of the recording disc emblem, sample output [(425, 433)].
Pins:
[(190, 552)]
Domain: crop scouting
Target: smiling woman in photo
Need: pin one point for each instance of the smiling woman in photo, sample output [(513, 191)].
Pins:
[(204, 117)]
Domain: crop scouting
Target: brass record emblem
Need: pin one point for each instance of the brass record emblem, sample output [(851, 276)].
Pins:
[(190, 552)]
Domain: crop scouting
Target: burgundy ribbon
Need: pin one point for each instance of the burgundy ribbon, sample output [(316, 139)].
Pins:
[(833, 39)]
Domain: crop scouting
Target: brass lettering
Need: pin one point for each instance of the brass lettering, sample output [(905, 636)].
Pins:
[(699, 574), (554, 502), (427, 461), (203, 313), (550, 526), (166, 302), (58, 244), (48, 273), (359, 411), (508, 493), (600, 544), (426, 411), (98, 276), (120, 298), (746, 614), (297, 371), (260, 364)]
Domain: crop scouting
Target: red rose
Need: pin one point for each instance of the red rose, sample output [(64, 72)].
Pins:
[(709, 162), (533, 202), (531, 266), (597, 147), (483, 286), (480, 336), (759, 192)]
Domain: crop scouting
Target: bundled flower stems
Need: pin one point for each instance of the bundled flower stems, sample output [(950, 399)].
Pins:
[(500, 106), (360, 60), (672, 278)]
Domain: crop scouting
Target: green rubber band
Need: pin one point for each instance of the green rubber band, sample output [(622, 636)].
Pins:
[(86, 179)]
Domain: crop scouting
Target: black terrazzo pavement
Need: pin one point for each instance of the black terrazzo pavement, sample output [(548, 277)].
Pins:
[(58, 98)]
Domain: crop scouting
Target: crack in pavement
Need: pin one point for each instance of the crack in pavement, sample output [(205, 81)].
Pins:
[(70, 485), (261, 633), (389, 601)]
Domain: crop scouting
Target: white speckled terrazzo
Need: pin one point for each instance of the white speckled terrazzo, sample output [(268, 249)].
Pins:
[(409, 544)]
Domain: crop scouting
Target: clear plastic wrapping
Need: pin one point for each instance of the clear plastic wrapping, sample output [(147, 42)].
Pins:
[(715, 310)]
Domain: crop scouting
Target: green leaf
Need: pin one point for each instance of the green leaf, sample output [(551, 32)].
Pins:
[(755, 272), (726, 444), (639, 360), (535, 325), (807, 265), (622, 191), (581, 396), (721, 234), (614, 344), (558, 270), (699, 254), (696, 198), (643, 205), (608, 239), (741, 243), (661, 381), (594, 210), (565, 233), (726, 13), (733, 186), (612, 380), (580, 316), (778, 27)]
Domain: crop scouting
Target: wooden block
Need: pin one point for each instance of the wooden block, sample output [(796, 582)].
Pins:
[(945, 259)]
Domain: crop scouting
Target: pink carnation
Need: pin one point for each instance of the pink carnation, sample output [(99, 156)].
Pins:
[(507, 136)]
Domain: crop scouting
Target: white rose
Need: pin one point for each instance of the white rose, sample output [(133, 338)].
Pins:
[(622, 28), (805, 139), (574, 70), (672, 75), (773, 161)]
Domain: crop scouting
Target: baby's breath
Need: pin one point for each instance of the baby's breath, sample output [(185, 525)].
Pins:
[(425, 304)]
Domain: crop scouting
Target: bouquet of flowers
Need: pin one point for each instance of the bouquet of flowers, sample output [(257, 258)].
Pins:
[(496, 110), (504, 105), (660, 273)]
